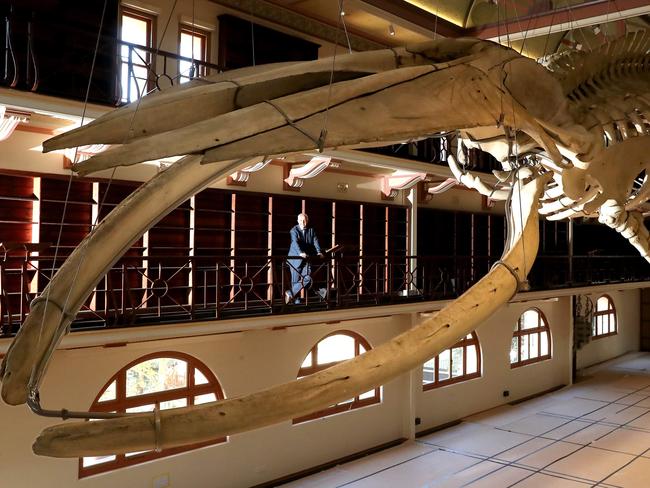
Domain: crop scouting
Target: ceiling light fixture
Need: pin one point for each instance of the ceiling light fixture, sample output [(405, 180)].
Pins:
[(391, 29), (342, 13)]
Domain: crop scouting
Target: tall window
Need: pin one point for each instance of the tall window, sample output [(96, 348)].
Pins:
[(604, 322), (531, 340), (166, 380), (459, 363), (194, 44), (136, 28), (333, 349)]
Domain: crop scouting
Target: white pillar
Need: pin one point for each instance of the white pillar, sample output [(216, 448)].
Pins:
[(413, 231)]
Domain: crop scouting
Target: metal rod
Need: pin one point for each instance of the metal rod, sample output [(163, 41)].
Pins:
[(34, 403)]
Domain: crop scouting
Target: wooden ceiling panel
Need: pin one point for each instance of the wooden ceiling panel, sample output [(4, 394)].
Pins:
[(358, 19)]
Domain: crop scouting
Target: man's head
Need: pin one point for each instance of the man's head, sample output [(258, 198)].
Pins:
[(303, 220)]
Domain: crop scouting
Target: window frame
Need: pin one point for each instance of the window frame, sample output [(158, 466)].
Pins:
[(122, 402), (150, 21), (359, 341), (464, 343), (205, 36), (610, 311), (543, 327)]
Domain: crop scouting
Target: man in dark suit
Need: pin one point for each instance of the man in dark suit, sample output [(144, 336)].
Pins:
[(304, 243)]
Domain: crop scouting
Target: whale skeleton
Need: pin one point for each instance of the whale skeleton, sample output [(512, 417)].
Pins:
[(572, 137)]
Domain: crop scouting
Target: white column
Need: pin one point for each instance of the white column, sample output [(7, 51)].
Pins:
[(413, 230)]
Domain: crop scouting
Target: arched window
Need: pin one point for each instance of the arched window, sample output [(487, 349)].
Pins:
[(531, 340), (460, 362), (167, 379), (604, 322), (333, 349)]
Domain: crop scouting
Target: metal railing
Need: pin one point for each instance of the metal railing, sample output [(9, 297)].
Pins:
[(149, 69), (141, 291), (137, 69)]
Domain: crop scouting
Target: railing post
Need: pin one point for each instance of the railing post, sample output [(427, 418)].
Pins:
[(123, 294), (3, 302), (205, 289), (570, 246), (24, 290), (216, 291), (192, 287)]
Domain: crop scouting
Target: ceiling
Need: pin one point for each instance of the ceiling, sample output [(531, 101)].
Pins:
[(535, 27)]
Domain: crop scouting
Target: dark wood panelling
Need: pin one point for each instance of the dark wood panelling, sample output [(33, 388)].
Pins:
[(212, 223), (347, 226), (16, 206), (243, 43), (72, 220)]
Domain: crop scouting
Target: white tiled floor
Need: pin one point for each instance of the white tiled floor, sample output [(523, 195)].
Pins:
[(595, 434)]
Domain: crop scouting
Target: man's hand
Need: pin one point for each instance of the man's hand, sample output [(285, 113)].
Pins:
[(303, 254)]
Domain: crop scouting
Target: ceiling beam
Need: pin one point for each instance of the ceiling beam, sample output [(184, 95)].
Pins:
[(416, 16), (267, 11), (563, 19)]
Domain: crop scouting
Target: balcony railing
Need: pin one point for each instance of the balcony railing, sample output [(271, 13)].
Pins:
[(143, 291), (144, 69), (134, 69)]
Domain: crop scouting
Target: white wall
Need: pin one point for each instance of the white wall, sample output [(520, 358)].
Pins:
[(628, 309), (449, 403)]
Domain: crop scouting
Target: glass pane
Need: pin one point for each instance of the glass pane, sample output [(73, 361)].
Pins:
[(335, 348), (444, 364), (109, 393), (514, 351), (184, 69), (207, 398), (159, 374), (191, 46), (530, 319), (198, 48), (428, 372), (129, 454), (176, 403), (523, 351), (94, 460), (602, 304), (124, 83), (141, 408), (307, 362), (599, 325), (199, 378), (544, 343), (134, 30), (368, 394), (457, 362), (361, 349), (472, 360), (533, 345), (185, 48), (468, 336)]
